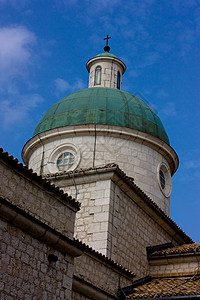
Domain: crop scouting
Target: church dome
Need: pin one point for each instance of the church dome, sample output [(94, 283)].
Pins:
[(105, 106), (106, 54)]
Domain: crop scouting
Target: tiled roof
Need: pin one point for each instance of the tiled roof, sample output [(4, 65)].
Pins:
[(106, 259), (166, 287), (38, 178), (183, 249), (81, 172), (130, 181)]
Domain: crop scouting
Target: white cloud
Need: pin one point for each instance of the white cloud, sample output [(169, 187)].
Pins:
[(149, 59), (169, 110), (15, 52), (162, 94), (192, 164), (62, 85), (17, 111), (133, 73), (17, 4)]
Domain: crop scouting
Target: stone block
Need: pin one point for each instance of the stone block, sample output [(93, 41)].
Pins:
[(94, 227), (100, 217), (99, 236)]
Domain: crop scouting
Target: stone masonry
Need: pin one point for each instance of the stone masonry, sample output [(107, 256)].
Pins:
[(137, 157), (26, 272), (37, 200), (114, 221)]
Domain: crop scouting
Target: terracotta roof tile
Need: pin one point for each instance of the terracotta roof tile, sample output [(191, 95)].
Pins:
[(183, 249), (108, 260), (167, 287)]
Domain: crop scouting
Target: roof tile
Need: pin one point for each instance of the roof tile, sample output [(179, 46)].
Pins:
[(183, 249), (167, 287), (34, 176)]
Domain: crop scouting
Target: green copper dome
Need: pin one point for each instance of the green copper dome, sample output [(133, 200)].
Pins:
[(104, 106), (107, 54)]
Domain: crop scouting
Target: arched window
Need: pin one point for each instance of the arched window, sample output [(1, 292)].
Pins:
[(97, 79), (162, 179), (118, 80)]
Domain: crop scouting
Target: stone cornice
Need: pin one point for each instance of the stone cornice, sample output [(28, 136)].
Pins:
[(38, 229), (126, 133), (105, 58), (89, 290)]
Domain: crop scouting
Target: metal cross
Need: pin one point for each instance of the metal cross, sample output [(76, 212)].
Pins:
[(108, 37)]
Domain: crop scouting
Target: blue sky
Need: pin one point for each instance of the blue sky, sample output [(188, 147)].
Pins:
[(44, 46)]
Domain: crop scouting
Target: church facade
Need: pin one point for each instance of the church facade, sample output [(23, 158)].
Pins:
[(100, 190)]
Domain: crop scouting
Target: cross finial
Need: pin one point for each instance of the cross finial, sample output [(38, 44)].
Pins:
[(107, 48)]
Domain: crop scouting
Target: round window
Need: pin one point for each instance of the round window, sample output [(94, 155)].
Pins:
[(65, 157), (164, 179), (65, 161)]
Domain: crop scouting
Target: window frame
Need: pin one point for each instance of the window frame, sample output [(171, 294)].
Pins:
[(166, 189), (118, 80), (65, 161), (57, 152), (98, 70)]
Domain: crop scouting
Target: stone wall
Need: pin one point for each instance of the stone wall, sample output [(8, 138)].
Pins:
[(109, 71), (138, 159), (35, 199), (78, 296), (91, 225), (131, 230), (111, 221), (100, 274), (176, 266), (26, 272)]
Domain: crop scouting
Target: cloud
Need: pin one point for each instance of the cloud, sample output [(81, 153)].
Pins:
[(192, 164), (16, 112), (17, 4), (16, 44), (62, 85), (149, 59), (134, 73), (169, 110), (90, 5), (191, 170), (162, 94)]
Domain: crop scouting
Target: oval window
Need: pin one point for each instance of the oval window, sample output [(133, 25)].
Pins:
[(164, 179)]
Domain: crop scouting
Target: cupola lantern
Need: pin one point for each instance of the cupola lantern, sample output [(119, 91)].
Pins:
[(105, 69)]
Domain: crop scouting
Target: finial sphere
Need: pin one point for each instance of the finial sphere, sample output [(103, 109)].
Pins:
[(106, 48)]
